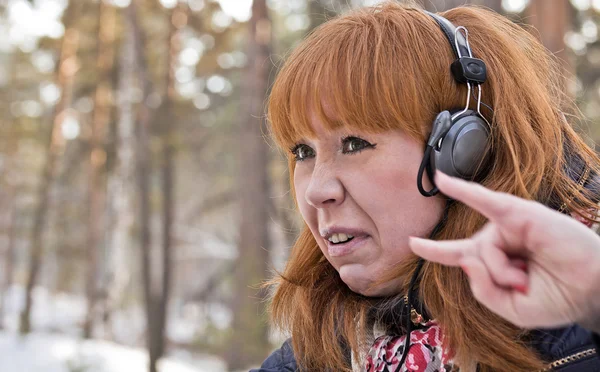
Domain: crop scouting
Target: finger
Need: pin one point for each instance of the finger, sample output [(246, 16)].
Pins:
[(493, 205), (518, 220), (500, 268), (496, 298), (446, 252), (519, 263)]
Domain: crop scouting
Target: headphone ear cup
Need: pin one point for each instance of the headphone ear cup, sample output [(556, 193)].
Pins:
[(463, 150), (439, 129)]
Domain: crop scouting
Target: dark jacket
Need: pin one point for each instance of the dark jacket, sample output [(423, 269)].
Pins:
[(570, 349), (281, 360)]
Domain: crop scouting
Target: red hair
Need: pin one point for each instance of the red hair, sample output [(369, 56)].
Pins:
[(387, 67)]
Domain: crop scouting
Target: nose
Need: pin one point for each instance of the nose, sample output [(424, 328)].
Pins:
[(325, 188)]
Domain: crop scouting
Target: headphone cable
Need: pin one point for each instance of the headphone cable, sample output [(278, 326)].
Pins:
[(413, 282)]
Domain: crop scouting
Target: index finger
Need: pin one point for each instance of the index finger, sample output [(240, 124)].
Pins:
[(492, 204), (446, 252)]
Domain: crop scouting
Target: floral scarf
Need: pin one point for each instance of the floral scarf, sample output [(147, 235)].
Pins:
[(426, 352)]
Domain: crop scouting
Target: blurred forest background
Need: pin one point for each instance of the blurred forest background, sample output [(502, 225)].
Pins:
[(140, 203)]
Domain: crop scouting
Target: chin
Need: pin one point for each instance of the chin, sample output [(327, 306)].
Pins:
[(366, 287), (367, 292), (381, 291)]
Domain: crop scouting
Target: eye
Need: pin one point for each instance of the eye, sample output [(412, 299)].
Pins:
[(302, 152), (352, 145)]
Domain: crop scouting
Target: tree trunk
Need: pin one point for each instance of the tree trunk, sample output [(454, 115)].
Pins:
[(442, 5), (67, 68), (318, 13), (495, 5), (9, 253), (121, 184), (143, 182), (159, 298), (249, 340), (97, 156), (551, 18)]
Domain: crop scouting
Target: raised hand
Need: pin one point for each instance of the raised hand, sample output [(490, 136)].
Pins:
[(529, 264)]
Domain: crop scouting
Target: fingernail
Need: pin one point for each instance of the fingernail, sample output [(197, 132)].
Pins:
[(521, 288), (522, 265)]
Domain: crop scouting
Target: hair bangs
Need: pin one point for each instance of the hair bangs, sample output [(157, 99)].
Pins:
[(352, 72)]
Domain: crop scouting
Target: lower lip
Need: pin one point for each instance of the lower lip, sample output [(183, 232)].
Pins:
[(337, 250)]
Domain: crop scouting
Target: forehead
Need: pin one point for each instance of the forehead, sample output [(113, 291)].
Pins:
[(325, 122), (340, 76), (325, 119)]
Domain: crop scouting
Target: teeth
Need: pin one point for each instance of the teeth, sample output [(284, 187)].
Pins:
[(337, 238)]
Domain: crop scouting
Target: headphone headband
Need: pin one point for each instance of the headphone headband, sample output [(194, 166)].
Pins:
[(458, 141), (453, 37), (465, 69)]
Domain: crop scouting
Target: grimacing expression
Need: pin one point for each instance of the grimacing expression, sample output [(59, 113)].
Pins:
[(357, 193)]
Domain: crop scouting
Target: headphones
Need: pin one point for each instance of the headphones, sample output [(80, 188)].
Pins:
[(458, 143), (458, 146)]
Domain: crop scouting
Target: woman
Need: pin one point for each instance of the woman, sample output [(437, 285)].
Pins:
[(354, 104)]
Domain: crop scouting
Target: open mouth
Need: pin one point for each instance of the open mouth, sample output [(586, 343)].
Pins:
[(343, 245), (339, 238), (341, 242)]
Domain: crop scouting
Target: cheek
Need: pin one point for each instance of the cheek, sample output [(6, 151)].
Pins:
[(307, 211), (397, 208), (300, 185)]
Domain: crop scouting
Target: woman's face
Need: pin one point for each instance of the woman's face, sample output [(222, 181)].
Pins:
[(357, 193)]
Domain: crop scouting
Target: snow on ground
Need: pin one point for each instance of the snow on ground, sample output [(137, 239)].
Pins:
[(55, 346), (65, 313), (41, 352)]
